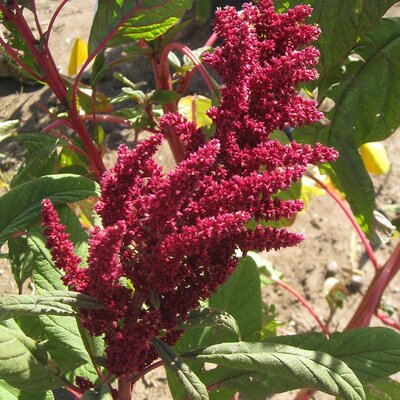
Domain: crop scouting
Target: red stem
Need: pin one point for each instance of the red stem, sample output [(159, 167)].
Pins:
[(151, 367), (74, 391), (304, 302), (211, 40), (163, 81), (195, 60), (114, 119), (305, 394), (124, 388), (52, 21), (349, 215), (34, 10), (370, 301), (387, 320), (94, 155)]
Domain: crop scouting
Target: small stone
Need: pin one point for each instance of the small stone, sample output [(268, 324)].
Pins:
[(331, 269), (355, 284)]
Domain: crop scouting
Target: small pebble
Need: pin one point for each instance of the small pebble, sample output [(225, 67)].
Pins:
[(355, 285), (331, 269)]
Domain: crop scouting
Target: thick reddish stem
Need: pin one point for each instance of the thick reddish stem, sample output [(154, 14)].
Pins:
[(370, 301), (349, 215), (124, 388), (305, 303), (163, 81), (94, 155)]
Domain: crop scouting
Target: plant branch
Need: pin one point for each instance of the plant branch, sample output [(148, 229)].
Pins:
[(53, 20), (369, 303), (151, 367), (304, 302), (387, 320), (162, 78), (350, 216), (35, 14), (195, 60), (113, 119)]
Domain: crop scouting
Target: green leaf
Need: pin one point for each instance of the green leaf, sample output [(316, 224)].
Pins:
[(21, 259), (6, 128), (41, 159), (374, 82), (240, 296), (384, 389), (98, 69), (163, 96), (22, 205), (343, 24), (25, 365), (8, 392), (304, 368), (128, 20), (188, 379), (211, 317), (372, 353), (49, 303), (197, 105)]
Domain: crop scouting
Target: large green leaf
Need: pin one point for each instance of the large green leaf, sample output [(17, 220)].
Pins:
[(48, 303), (134, 20), (372, 353), (193, 386), (343, 24), (22, 205), (26, 365), (7, 392), (240, 296), (366, 110), (304, 368)]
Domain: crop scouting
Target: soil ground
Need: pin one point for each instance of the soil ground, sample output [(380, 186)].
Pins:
[(330, 248)]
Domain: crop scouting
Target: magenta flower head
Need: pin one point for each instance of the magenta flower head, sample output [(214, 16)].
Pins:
[(168, 240)]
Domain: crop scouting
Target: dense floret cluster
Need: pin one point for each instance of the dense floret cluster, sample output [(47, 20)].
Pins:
[(173, 236)]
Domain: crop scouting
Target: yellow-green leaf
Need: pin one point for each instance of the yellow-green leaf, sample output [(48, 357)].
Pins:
[(194, 108), (375, 158), (78, 56)]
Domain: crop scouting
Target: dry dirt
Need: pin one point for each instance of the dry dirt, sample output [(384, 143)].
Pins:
[(331, 246)]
